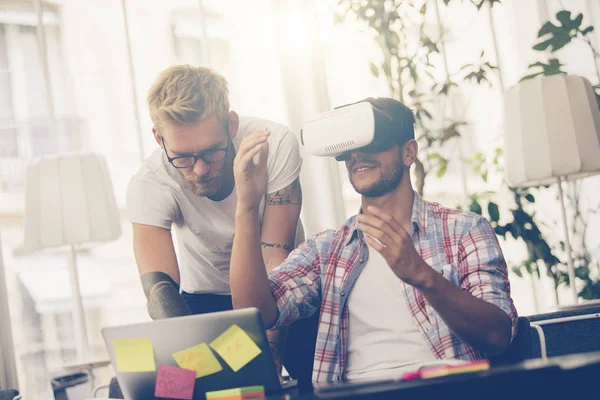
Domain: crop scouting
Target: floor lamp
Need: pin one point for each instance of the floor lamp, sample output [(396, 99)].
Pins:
[(552, 135), (69, 201)]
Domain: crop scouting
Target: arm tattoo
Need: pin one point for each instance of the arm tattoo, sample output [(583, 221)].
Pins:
[(277, 246), (291, 194)]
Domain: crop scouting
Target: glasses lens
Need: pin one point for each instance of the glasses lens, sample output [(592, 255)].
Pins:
[(214, 156), (183, 162)]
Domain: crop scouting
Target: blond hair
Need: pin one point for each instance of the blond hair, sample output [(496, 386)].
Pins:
[(184, 94)]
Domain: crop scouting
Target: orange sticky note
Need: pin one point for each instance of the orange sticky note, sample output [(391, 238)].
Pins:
[(235, 347), (199, 358), (174, 383), (134, 355)]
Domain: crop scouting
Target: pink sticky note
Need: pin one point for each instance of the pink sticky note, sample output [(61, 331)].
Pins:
[(174, 383)]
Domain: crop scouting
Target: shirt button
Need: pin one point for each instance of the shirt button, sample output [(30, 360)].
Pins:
[(361, 260), (343, 294)]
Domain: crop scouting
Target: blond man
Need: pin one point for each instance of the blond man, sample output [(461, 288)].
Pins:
[(187, 185)]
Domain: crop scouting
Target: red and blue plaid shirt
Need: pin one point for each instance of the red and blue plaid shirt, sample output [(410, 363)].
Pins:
[(321, 272)]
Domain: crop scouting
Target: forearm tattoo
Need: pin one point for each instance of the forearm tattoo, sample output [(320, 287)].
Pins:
[(291, 194), (277, 246)]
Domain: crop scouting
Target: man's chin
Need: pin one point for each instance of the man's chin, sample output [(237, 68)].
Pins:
[(375, 190), (203, 190)]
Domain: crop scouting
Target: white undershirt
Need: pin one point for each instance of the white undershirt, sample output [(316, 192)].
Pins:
[(384, 340)]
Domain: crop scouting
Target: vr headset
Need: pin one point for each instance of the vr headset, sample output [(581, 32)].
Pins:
[(355, 126)]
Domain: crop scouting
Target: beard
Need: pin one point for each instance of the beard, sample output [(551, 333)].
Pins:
[(390, 178), (205, 186)]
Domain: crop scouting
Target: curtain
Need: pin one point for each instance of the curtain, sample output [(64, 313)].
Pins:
[(305, 89)]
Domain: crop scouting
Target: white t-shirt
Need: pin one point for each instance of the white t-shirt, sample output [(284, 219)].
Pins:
[(158, 196), (384, 340)]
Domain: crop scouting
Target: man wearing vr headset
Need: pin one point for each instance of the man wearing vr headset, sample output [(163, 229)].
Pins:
[(404, 283), (188, 185)]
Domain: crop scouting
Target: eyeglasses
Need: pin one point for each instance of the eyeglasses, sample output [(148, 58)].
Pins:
[(188, 161)]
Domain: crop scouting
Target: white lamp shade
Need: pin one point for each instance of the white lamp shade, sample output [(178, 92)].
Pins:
[(552, 129), (69, 199)]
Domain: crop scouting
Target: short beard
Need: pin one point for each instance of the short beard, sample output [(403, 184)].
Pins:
[(200, 191), (390, 179)]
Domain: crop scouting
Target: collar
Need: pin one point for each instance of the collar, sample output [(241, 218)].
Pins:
[(418, 221)]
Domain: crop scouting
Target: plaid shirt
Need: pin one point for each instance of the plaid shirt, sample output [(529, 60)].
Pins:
[(321, 272)]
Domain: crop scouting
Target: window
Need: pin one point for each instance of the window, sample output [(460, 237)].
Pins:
[(199, 40)]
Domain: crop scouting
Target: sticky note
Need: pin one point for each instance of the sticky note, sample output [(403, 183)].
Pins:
[(174, 383), (235, 347), (134, 355), (247, 392), (199, 358)]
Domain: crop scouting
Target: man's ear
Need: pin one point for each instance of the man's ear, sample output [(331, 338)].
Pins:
[(157, 136), (409, 152), (234, 124)]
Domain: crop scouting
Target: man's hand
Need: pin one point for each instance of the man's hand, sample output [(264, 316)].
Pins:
[(395, 245), (251, 178), (480, 323)]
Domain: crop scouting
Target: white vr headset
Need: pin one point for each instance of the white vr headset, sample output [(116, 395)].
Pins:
[(355, 126)]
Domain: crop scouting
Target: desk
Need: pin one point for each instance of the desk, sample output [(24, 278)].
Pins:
[(564, 378)]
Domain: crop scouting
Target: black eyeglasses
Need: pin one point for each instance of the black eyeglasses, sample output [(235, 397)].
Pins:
[(187, 161)]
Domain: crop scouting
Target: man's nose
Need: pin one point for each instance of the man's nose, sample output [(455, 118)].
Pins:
[(201, 167)]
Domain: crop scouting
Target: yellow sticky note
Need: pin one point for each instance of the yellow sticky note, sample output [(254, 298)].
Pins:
[(134, 355), (235, 347), (198, 358)]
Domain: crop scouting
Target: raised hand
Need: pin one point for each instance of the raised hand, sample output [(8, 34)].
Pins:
[(250, 177), (395, 245)]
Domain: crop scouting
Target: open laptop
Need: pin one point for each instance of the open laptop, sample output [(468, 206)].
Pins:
[(172, 335)]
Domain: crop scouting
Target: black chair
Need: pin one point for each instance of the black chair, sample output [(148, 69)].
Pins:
[(299, 352), (569, 331), (520, 349), (9, 394)]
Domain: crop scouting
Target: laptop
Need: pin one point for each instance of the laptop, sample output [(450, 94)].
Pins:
[(172, 335)]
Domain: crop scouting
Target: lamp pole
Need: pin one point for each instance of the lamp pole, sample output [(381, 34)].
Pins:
[(79, 327), (570, 264)]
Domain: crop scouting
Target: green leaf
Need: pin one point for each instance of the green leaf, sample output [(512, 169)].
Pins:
[(450, 132), (423, 9), (564, 17), (484, 176), (527, 77), (375, 70), (443, 169), (493, 211), (542, 46), (554, 67), (501, 231), (587, 30), (530, 198), (559, 36), (517, 271), (475, 206), (582, 272), (435, 156)]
